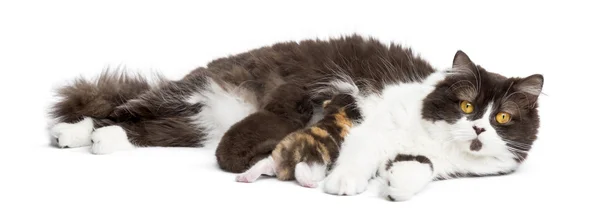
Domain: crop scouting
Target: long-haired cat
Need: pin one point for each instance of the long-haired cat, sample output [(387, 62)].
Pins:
[(460, 121)]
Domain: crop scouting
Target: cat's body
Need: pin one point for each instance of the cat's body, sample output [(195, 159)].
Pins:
[(419, 123)]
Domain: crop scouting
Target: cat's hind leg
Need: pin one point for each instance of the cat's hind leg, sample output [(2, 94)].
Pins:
[(264, 167), (191, 112), (110, 139), (82, 101), (110, 136)]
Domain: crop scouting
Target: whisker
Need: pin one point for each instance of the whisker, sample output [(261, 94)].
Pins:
[(518, 145), (516, 149), (518, 154), (478, 80)]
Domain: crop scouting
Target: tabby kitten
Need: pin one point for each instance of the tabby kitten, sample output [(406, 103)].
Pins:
[(307, 154)]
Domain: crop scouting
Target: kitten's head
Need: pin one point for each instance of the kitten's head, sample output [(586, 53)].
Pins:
[(290, 101), (484, 113), (345, 102)]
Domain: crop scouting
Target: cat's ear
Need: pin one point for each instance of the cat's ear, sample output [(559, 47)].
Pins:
[(531, 85), (462, 60), (529, 89)]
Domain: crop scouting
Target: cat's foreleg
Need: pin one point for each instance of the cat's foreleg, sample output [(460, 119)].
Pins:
[(359, 159), (405, 175)]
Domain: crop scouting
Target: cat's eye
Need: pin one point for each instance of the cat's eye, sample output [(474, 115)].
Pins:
[(466, 107), (503, 117)]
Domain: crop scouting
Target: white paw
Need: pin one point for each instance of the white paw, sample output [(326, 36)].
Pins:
[(405, 179), (304, 175), (263, 167), (72, 135), (345, 182), (246, 177), (110, 139)]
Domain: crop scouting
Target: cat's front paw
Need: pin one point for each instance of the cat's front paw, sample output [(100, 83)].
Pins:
[(406, 178), (345, 183)]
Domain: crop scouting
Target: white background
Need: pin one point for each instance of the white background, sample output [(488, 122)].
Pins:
[(44, 44)]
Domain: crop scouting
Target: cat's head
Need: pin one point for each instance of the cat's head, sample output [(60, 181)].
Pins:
[(484, 113)]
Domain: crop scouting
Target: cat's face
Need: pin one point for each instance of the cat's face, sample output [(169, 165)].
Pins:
[(486, 114)]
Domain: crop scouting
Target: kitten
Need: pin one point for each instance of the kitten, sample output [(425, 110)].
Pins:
[(254, 137), (465, 120), (307, 154)]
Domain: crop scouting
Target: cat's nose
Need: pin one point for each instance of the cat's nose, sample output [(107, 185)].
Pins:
[(478, 130)]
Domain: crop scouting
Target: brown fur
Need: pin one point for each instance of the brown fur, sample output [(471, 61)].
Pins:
[(159, 115), (97, 98), (119, 97), (254, 137)]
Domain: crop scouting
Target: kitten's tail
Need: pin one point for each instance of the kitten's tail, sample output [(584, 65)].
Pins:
[(96, 98)]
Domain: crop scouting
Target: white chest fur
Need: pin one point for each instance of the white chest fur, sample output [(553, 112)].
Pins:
[(394, 117)]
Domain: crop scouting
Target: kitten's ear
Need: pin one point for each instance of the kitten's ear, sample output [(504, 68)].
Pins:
[(304, 106), (531, 85), (461, 60)]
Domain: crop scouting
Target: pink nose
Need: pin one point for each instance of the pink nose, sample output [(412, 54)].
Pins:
[(478, 130)]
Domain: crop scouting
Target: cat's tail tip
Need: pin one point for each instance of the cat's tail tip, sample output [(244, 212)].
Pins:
[(96, 97)]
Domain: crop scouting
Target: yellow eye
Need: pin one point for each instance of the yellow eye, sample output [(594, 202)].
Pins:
[(503, 117), (466, 107)]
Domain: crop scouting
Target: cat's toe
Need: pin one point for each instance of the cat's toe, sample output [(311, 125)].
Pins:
[(394, 194)]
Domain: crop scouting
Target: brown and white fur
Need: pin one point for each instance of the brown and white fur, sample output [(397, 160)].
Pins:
[(306, 155), (408, 107)]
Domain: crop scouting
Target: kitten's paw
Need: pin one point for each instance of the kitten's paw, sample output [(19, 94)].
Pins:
[(304, 175), (345, 183), (246, 177), (110, 139), (263, 167), (72, 135), (405, 179)]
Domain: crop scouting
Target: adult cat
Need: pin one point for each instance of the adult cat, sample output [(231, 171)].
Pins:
[(461, 121)]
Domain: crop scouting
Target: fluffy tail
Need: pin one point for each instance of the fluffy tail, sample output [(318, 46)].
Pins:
[(96, 98)]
